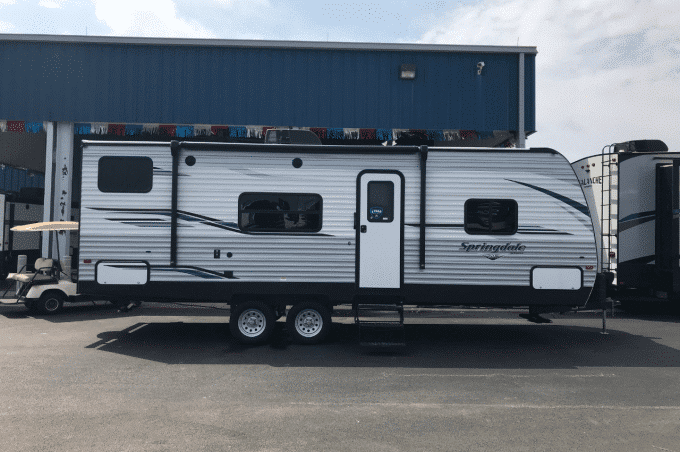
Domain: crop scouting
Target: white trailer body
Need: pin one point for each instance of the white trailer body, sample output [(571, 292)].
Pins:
[(633, 199), (279, 223)]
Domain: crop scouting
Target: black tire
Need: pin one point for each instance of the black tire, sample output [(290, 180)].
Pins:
[(50, 302), (252, 322), (308, 322)]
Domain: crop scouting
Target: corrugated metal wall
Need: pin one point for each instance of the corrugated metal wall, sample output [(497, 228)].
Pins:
[(13, 179), (81, 81)]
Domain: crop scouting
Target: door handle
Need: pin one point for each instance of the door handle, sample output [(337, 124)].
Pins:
[(363, 228)]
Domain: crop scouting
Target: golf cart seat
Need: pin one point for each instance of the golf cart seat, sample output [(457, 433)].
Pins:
[(45, 270)]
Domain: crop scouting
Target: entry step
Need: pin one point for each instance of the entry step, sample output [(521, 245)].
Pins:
[(387, 325), (381, 334), (378, 326), (380, 307)]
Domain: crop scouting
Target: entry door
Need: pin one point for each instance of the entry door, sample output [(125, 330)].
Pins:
[(380, 229)]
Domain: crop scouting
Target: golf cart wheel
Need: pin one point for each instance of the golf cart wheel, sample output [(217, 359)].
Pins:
[(252, 322), (308, 322), (50, 302)]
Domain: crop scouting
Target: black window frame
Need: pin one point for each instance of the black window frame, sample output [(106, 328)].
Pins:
[(146, 188), (318, 212), (515, 212)]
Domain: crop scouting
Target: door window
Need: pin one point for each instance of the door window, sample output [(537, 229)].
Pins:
[(380, 201)]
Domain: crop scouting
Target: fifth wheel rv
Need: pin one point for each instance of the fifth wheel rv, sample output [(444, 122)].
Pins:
[(632, 192), (265, 227)]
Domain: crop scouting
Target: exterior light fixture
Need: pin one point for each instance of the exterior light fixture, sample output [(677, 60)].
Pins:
[(407, 71), (480, 66)]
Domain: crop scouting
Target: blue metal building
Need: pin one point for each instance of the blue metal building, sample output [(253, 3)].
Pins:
[(188, 83), (14, 179)]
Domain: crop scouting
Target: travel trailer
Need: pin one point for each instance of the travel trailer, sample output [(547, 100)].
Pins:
[(264, 227), (632, 193)]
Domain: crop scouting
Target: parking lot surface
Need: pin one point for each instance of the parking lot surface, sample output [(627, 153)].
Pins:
[(169, 377)]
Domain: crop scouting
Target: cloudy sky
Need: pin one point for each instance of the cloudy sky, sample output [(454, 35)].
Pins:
[(607, 70)]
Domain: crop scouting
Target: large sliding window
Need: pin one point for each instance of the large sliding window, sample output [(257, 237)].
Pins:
[(491, 216), (279, 212)]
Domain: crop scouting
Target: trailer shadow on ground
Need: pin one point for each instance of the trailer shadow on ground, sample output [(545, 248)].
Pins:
[(488, 346)]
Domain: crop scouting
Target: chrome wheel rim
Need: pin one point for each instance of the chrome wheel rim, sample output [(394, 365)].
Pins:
[(251, 323), (51, 304), (308, 323)]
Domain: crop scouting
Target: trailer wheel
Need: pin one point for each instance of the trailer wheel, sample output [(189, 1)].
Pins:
[(251, 322), (308, 322), (50, 302)]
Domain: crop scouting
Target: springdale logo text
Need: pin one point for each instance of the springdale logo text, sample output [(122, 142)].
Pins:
[(487, 248)]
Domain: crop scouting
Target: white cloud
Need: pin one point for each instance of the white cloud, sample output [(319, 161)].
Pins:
[(6, 27), (49, 4), (249, 4), (606, 70), (147, 18)]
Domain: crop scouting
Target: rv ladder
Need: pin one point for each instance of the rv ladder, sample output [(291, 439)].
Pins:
[(380, 325), (609, 210)]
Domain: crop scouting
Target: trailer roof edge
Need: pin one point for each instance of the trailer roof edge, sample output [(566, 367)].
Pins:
[(266, 147)]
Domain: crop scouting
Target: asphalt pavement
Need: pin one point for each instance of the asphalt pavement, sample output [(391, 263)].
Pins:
[(169, 377)]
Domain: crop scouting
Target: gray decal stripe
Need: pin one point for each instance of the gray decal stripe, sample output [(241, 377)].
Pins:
[(575, 204), (195, 271), (635, 222), (434, 225), (637, 215), (188, 216), (640, 260), (520, 230), (543, 232)]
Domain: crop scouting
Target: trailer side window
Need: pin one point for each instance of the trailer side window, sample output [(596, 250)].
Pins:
[(125, 174), (491, 216), (279, 212)]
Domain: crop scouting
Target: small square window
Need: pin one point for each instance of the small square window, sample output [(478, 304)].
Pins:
[(118, 174)]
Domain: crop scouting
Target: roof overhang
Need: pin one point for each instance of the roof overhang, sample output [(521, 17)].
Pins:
[(316, 45)]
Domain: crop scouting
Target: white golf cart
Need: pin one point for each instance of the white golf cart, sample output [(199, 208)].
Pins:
[(45, 289)]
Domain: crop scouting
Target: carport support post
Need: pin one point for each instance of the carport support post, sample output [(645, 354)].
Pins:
[(51, 132), (58, 181), (520, 129)]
